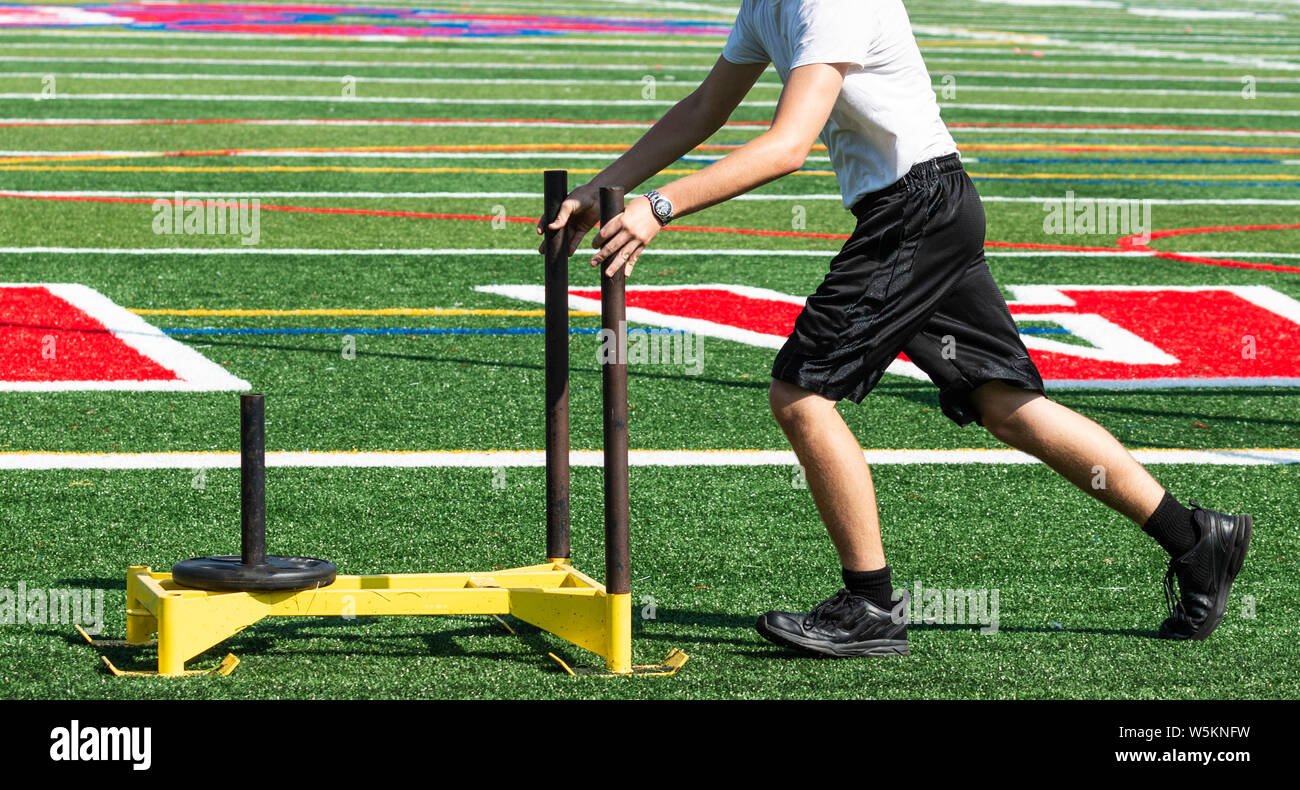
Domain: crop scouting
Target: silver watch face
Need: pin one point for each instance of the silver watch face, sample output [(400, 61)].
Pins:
[(662, 208)]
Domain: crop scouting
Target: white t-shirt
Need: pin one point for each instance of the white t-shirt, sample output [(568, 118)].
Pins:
[(886, 118)]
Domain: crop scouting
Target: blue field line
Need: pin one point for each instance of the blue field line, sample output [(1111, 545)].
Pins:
[(963, 136), (1067, 181), (1038, 140), (1079, 161), (1120, 161), (1068, 161)]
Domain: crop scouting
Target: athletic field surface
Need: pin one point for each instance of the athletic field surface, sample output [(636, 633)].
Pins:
[(334, 205)]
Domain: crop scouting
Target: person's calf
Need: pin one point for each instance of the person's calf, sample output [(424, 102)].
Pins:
[(1074, 446), (836, 473)]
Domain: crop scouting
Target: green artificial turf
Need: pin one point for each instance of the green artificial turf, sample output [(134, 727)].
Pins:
[(1079, 594)]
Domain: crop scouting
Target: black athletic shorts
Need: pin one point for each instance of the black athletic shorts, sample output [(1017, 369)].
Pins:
[(911, 278)]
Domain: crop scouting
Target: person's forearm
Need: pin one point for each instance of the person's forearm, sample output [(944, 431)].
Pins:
[(675, 135), (763, 159)]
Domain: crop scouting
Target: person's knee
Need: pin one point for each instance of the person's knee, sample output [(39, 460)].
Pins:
[(792, 404), (1003, 410)]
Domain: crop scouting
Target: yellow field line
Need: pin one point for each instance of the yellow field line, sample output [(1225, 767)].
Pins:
[(8, 160), (347, 311), (1151, 176), (1138, 148), (977, 147), (301, 169), (593, 171), (975, 42), (207, 153)]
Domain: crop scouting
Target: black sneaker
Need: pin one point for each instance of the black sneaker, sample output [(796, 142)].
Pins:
[(842, 625), (1217, 556)]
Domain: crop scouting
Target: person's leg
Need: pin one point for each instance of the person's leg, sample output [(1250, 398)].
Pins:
[(1206, 548), (971, 348), (1078, 449), (907, 252), (837, 473), (861, 619)]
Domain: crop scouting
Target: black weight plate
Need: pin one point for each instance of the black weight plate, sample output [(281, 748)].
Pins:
[(227, 573)]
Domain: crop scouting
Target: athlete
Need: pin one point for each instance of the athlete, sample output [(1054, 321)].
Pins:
[(911, 278)]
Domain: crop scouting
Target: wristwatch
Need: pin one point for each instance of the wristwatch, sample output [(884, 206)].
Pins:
[(661, 206)]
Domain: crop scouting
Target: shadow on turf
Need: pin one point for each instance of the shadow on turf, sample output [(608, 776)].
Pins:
[(101, 583), (674, 627), (275, 636), (1087, 402), (333, 352), (746, 623), (1189, 415)]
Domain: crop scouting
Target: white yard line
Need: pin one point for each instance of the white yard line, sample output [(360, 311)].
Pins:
[(964, 134), (254, 98), (365, 122), (317, 64), (592, 458), (442, 252), (932, 57), (1240, 254), (1101, 77), (289, 153), (638, 83), (1091, 109), (1155, 201), (433, 252), (540, 102), (172, 76), (1235, 94)]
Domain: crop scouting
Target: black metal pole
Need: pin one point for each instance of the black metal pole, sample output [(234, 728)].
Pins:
[(253, 570), (613, 321), (555, 189), (252, 479)]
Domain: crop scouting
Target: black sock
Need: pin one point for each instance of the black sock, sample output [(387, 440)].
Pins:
[(1171, 526), (872, 585)]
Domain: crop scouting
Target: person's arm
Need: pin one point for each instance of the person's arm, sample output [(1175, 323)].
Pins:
[(690, 122), (805, 105)]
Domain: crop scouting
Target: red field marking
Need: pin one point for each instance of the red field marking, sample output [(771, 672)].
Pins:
[(1124, 244), (1027, 245), (435, 121), (408, 214), (1204, 348), (710, 147), (1152, 127), (328, 121), (1136, 335), (1136, 244), (767, 316), (44, 338)]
